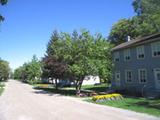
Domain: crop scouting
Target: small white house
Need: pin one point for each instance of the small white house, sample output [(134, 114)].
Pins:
[(88, 80), (91, 80)]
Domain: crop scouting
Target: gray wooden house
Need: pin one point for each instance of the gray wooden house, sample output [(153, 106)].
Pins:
[(137, 65)]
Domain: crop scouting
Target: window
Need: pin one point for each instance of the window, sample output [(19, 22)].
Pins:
[(140, 52), (156, 49), (117, 76), (128, 75), (142, 73), (116, 56), (127, 55)]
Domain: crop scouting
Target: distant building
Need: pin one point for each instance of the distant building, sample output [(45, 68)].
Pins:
[(88, 80), (91, 80)]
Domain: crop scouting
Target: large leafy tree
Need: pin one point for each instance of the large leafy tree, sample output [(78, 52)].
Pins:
[(77, 55), (146, 22), (52, 64), (122, 29), (146, 6), (53, 68)]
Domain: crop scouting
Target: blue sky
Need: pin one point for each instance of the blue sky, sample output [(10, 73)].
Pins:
[(29, 23)]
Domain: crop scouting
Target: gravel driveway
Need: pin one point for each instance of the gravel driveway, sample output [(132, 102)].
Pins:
[(20, 102)]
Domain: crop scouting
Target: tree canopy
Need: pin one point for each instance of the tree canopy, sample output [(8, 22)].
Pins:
[(74, 56), (30, 72), (4, 70), (146, 22)]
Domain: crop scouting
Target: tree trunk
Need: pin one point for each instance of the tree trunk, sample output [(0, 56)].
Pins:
[(79, 84), (56, 86)]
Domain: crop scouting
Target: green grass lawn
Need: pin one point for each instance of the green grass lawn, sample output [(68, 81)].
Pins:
[(1, 87), (96, 88), (142, 105), (70, 91)]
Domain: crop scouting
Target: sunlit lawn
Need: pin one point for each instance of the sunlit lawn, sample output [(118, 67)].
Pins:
[(70, 91), (142, 105)]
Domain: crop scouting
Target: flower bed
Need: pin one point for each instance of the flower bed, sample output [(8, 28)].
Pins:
[(101, 98), (86, 94), (42, 86)]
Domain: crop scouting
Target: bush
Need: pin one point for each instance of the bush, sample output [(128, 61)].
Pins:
[(101, 98)]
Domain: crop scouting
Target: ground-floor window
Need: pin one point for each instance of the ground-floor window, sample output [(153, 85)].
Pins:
[(128, 76), (157, 77), (117, 76), (142, 73)]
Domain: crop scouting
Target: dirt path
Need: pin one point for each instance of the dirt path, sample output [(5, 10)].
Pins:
[(21, 102)]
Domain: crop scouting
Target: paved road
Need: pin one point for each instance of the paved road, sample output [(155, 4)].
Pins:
[(21, 102)]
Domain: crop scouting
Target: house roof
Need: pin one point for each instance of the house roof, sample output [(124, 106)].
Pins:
[(138, 41)]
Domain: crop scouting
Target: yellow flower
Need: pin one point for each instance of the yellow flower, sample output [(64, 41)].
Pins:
[(107, 96)]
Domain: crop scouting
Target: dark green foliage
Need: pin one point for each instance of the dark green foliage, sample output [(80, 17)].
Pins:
[(146, 6), (50, 46), (146, 22), (4, 70), (30, 72), (3, 2)]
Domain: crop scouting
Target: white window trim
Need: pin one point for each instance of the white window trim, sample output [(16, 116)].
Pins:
[(152, 47), (138, 52), (125, 54), (158, 69), (119, 76), (139, 75), (126, 76)]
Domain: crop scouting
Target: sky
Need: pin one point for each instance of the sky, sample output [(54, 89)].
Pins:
[(29, 24)]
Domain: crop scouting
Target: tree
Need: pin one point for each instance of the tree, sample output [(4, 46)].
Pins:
[(52, 65), (52, 68), (50, 46), (74, 56), (146, 6), (122, 29), (2, 2), (146, 22), (90, 55), (30, 72), (4, 70)]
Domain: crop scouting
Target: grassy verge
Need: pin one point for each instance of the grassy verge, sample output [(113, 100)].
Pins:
[(142, 105), (70, 91), (51, 89), (96, 88), (1, 87)]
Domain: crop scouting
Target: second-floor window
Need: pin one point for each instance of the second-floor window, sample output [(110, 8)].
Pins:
[(128, 76), (116, 56), (127, 55), (140, 52), (155, 49)]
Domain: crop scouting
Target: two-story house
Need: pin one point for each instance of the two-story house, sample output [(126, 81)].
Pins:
[(137, 65)]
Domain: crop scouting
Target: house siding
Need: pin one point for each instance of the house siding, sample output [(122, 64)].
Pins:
[(149, 63)]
